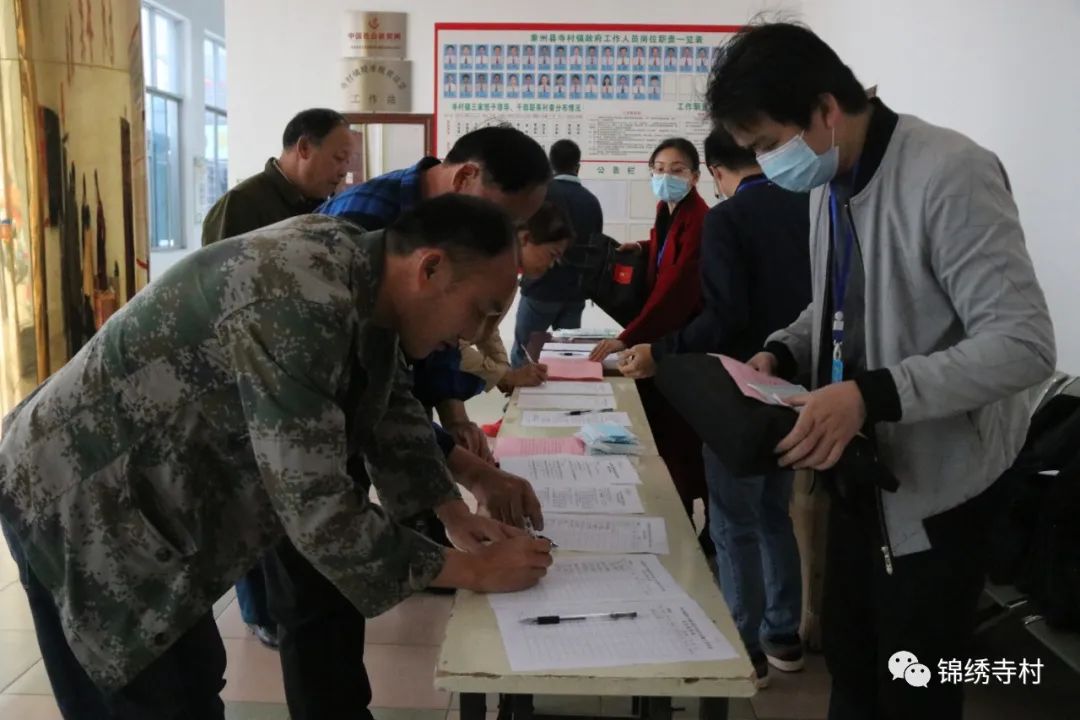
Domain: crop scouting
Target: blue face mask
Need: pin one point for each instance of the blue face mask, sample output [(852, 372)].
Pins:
[(796, 167), (669, 188)]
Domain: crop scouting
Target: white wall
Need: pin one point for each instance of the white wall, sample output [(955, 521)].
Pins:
[(268, 85), (1004, 73), (199, 17)]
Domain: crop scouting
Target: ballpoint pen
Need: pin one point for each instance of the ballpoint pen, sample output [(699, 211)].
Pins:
[(575, 413), (532, 532), (526, 353), (556, 619)]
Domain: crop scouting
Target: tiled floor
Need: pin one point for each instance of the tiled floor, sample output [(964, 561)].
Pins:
[(402, 646)]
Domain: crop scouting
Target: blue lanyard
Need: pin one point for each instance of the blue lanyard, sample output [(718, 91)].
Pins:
[(841, 273)]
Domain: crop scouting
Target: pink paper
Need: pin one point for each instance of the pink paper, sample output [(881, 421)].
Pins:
[(743, 375), (518, 447), (571, 369)]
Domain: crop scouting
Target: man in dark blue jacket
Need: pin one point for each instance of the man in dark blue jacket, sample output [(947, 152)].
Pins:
[(755, 275), (555, 300)]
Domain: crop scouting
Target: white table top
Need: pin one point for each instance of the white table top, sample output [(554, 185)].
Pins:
[(473, 659)]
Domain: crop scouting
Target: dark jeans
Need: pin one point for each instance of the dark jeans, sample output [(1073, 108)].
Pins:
[(251, 597), (183, 683), (926, 607), (757, 557), (538, 316), (321, 640)]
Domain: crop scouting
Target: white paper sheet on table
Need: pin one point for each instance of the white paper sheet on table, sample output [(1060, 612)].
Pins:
[(508, 447), (572, 470), (607, 533), (596, 578), (556, 418), (664, 631), (613, 499), (584, 347), (569, 387), (566, 402)]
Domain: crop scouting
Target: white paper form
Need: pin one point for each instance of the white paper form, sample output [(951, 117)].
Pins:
[(570, 347), (664, 631), (613, 499), (595, 579), (569, 387), (567, 402), (573, 470), (555, 418), (607, 533)]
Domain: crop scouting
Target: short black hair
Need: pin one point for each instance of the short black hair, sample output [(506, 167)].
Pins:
[(682, 145), (549, 224), (465, 227), (314, 124), (565, 156), (779, 71), (510, 159), (721, 149)]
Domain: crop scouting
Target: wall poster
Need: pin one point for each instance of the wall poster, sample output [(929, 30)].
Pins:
[(616, 90)]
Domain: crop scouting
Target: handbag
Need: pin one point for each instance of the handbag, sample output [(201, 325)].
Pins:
[(614, 280)]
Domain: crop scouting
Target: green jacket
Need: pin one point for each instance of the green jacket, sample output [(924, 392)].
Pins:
[(261, 200), (210, 416)]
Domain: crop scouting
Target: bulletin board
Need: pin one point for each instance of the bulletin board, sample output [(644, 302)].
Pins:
[(616, 90)]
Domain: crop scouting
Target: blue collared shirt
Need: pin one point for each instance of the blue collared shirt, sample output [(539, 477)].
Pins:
[(373, 205)]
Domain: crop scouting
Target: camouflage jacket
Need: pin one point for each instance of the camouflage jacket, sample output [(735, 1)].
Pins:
[(209, 416)]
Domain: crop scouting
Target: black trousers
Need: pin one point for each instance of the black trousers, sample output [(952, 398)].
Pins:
[(184, 682), (321, 640), (926, 607)]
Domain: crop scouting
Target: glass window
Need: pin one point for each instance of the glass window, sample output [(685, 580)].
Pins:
[(163, 157), (214, 73), (163, 61), (216, 154)]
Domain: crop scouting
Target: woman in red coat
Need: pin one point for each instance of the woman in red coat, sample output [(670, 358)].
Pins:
[(674, 282)]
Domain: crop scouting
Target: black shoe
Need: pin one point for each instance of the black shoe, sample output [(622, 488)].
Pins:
[(785, 652), (761, 670), (265, 634)]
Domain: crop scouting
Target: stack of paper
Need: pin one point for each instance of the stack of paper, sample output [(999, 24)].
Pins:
[(563, 387), (574, 369), (607, 533), (573, 470), (510, 447), (613, 499), (660, 623), (585, 333), (570, 418), (758, 385), (602, 403)]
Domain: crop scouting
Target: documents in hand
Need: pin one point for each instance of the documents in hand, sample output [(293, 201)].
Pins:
[(606, 533), (574, 369), (758, 385), (614, 499), (564, 418), (565, 387), (566, 402), (511, 447), (571, 470), (668, 627)]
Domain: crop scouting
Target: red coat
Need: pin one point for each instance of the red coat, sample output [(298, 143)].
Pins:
[(675, 287)]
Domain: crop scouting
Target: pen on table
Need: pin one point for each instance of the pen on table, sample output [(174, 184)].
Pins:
[(556, 619), (574, 413)]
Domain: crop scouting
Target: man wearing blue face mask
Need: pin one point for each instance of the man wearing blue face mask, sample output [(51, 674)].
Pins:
[(926, 330)]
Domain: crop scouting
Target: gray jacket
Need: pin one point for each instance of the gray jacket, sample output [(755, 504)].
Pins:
[(953, 311)]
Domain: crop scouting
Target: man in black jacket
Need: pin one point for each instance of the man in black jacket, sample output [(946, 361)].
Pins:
[(755, 274), (555, 300)]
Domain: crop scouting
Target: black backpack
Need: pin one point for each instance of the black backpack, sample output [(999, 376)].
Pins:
[(1036, 545), (614, 280)]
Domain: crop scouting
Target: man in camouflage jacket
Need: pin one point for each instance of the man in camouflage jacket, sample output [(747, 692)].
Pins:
[(216, 413)]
